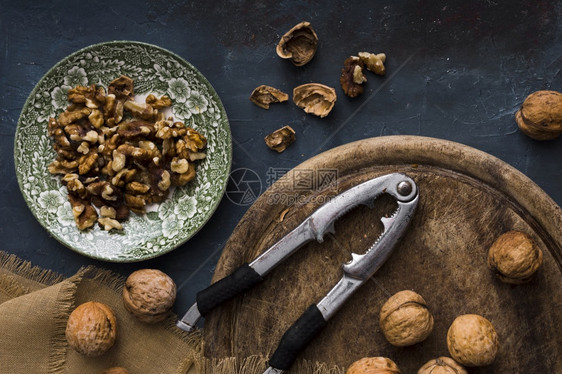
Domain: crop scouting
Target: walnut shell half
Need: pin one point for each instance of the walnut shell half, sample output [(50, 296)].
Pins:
[(299, 44), (405, 319), (472, 340), (373, 365), (149, 295), (442, 365), (315, 98), (514, 257), (540, 116), (91, 329)]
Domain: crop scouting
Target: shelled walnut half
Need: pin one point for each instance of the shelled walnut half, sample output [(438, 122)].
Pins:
[(352, 77), (116, 154)]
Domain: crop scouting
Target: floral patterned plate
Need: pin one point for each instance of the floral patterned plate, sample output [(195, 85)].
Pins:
[(194, 101)]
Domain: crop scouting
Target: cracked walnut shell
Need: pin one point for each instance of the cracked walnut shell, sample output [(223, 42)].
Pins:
[(514, 257), (472, 340), (405, 319), (315, 98), (540, 116), (264, 95), (91, 329), (299, 44), (373, 365), (280, 139), (149, 295), (442, 365)]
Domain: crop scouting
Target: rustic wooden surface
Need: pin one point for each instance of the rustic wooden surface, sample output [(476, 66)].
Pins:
[(467, 199)]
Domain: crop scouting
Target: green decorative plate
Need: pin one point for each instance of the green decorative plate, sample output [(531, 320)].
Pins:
[(194, 101)]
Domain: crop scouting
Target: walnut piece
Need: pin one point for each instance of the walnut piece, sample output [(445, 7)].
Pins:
[(315, 98), (122, 87), (264, 95), (149, 295), (299, 44), (91, 329), (280, 139), (405, 319), (373, 365), (514, 257), (442, 365), (84, 213), (373, 62), (115, 370), (352, 77), (472, 340), (540, 116)]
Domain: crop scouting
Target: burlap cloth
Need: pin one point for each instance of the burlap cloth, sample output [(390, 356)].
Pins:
[(35, 304)]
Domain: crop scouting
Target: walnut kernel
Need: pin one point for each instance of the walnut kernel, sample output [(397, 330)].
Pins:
[(373, 365), (514, 257), (442, 365), (149, 295), (374, 62), (352, 77), (405, 319), (472, 340), (91, 329)]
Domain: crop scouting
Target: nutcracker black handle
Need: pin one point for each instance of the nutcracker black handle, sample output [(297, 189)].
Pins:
[(297, 337), (242, 279)]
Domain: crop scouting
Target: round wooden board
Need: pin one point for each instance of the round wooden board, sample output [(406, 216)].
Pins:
[(467, 199)]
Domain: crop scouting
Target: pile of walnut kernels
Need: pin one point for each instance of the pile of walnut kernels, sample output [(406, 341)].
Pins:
[(119, 155)]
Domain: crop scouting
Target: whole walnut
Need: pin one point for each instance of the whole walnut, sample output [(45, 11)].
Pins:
[(373, 365), (149, 295), (405, 319), (115, 370), (472, 340), (540, 116), (514, 257), (91, 329), (442, 365)]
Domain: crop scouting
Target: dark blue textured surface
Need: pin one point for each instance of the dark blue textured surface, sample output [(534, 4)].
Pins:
[(456, 70)]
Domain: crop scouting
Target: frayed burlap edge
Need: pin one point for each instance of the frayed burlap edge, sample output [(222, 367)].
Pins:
[(64, 300), (257, 365), (25, 269), (58, 343)]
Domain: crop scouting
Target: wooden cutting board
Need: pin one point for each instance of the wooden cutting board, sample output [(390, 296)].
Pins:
[(467, 199)]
